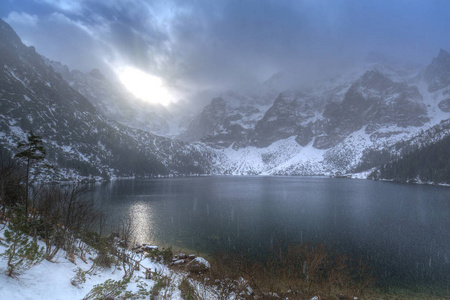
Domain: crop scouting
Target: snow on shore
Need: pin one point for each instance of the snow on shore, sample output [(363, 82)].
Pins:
[(52, 280)]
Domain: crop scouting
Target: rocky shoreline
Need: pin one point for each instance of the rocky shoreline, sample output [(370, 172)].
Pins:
[(190, 263)]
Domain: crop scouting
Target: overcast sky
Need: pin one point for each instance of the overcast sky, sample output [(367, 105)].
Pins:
[(215, 44)]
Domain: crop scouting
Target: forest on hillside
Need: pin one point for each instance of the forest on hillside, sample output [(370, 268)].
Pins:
[(427, 164)]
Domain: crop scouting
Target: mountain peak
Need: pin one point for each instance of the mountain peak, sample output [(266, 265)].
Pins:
[(437, 74), (8, 35), (218, 102), (4, 25), (443, 55), (375, 79)]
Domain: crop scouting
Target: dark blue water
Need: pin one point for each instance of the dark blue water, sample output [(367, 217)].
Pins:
[(402, 230)]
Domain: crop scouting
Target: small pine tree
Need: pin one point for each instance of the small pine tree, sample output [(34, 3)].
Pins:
[(33, 150), (21, 252)]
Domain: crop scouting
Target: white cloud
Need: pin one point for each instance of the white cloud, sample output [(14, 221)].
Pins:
[(72, 6), (21, 18)]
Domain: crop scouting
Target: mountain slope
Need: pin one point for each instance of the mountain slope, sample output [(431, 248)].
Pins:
[(341, 125), (350, 123), (112, 99), (77, 136), (226, 121), (437, 74), (428, 162)]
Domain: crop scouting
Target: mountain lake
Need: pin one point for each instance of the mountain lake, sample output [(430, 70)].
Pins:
[(402, 230)]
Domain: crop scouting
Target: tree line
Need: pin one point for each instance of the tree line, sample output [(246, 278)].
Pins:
[(430, 163)]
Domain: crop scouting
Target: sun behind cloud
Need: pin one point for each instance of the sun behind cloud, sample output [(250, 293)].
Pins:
[(145, 86)]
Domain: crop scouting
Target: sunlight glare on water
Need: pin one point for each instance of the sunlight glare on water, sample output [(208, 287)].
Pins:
[(141, 218)]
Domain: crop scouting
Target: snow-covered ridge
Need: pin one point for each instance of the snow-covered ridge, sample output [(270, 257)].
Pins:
[(93, 126), (328, 129)]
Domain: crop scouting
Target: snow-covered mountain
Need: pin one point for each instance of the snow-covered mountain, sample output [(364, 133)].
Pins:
[(227, 121), (338, 126), (78, 138), (349, 123)]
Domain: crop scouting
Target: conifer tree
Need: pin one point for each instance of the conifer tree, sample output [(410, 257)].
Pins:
[(33, 150)]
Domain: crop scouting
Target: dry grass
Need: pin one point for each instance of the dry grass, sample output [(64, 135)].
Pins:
[(298, 272)]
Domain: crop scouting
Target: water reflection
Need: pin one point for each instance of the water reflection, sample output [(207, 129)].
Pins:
[(141, 218), (403, 230)]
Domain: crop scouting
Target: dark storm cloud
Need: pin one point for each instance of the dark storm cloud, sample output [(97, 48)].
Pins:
[(240, 42), (198, 45)]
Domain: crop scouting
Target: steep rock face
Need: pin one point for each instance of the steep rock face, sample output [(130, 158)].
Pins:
[(437, 74), (284, 119), (298, 114), (211, 121), (226, 121), (344, 124), (375, 101), (76, 135), (28, 85)]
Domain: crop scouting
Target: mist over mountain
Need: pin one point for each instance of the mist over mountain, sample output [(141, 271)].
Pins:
[(79, 139), (344, 123), (110, 97), (195, 47), (339, 125)]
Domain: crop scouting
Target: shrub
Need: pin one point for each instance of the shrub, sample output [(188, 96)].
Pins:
[(79, 278), (187, 290), (110, 289), (162, 284), (21, 253), (104, 259), (165, 255), (117, 289)]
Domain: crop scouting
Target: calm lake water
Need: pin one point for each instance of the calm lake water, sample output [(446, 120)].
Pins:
[(403, 230)]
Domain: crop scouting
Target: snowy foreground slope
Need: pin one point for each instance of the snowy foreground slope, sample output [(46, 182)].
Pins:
[(53, 280), (60, 279)]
